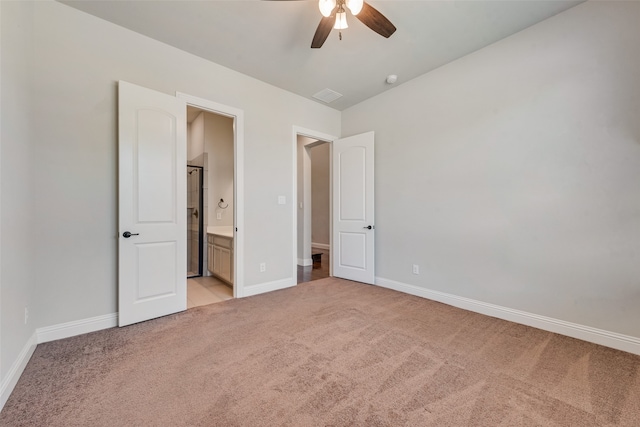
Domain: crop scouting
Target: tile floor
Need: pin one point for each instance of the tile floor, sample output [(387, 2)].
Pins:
[(207, 290)]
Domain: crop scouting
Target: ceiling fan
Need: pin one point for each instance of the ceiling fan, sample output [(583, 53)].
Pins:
[(335, 16)]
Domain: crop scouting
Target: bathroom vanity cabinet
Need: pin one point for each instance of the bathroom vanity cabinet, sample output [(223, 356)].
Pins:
[(220, 256)]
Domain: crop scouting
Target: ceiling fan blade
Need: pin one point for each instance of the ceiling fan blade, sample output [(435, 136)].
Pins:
[(373, 19), (324, 28)]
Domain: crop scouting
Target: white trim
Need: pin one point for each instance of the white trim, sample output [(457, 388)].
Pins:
[(325, 137), (321, 246), (306, 262), (298, 130), (238, 181), (586, 333), (77, 327), (269, 286), (2, 385), (10, 381), (51, 333)]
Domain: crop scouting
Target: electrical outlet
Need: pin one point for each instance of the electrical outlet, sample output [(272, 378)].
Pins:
[(416, 269), (282, 200), (263, 267), (26, 315), (219, 215)]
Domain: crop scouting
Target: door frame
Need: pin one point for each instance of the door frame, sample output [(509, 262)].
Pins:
[(238, 180), (324, 138)]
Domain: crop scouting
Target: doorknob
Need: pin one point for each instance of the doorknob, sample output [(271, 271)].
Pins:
[(369, 227), (128, 234)]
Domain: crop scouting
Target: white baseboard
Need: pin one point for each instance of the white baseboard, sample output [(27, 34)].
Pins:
[(269, 286), (586, 333), (10, 381), (77, 327), (321, 246), (305, 262)]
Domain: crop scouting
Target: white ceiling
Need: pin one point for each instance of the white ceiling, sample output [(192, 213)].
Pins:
[(270, 40)]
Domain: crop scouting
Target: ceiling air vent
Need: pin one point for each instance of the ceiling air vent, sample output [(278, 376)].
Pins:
[(327, 95)]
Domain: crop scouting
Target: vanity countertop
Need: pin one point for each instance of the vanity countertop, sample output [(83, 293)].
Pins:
[(221, 230)]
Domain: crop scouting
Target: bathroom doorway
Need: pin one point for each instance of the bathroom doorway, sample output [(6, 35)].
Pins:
[(210, 157), (194, 221)]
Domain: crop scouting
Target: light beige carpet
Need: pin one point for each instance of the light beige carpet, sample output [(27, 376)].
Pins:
[(326, 353)]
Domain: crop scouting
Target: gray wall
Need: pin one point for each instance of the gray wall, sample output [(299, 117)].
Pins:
[(511, 175), (303, 196), (213, 134), (218, 142), (195, 138), (320, 194), (17, 217)]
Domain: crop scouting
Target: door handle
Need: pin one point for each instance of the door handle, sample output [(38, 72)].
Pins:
[(369, 227), (128, 234)]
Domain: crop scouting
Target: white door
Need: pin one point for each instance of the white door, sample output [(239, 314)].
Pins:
[(353, 208), (152, 250)]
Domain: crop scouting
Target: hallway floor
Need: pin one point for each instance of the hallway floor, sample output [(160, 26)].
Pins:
[(318, 270)]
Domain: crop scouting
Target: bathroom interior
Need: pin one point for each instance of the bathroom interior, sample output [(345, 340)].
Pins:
[(210, 207)]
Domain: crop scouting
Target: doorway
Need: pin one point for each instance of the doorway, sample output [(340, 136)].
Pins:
[(210, 148), (152, 202), (352, 225), (313, 193), (224, 211)]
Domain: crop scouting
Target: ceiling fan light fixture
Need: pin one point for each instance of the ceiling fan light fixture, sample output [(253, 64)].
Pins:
[(337, 18), (341, 21), (355, 6), (326, 7)]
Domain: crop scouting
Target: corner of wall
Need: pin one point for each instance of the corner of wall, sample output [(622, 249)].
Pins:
[(8, 383), (17, 337)]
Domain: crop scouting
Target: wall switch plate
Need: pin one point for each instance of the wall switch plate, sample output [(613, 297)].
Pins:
[(26, 315), (416, 269), (263, 267), (282, 200), (219, 215)]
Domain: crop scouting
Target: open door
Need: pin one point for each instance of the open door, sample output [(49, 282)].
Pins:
[(353, 208), (152, 249)]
